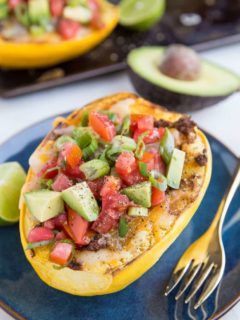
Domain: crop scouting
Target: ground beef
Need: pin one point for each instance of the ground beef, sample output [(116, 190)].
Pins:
[(98, 242), (74, 265), (185, 125), (189, 183), (32, 253), (162, 123), (201, 159)]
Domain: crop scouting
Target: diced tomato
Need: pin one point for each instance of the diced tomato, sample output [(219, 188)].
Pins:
[(48, 171), (133, 178), (94, 5), (13, 3), (61, 235), (96, 186), (60, 220), (113, 206), (102, 125), (134, 120), (141, 122), (61, 253), (56, 222), (145, 123), (75, 172), (40, 234), (70, 155), (111, 184), (115, 201), (125, 163), (56, 7), (153, 136), (127, 168), (104, 223), (161, 132), (67, 230), (148, 158), (157, 196), (78, 226), (68, 29), (87, 238), (96, 22), (136, 134), (61, 182), (159, 164), (49, 224), (70, 160), (74, 155)]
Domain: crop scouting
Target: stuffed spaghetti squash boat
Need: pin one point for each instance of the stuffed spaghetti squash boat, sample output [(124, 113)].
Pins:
[(40, 33), (108, 190)]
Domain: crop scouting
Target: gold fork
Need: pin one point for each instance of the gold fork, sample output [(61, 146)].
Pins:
[(205, 258)]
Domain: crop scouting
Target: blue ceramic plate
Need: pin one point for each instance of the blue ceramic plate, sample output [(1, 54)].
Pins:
[(25, 296)]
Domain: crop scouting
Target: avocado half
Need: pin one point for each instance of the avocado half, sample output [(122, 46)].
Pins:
[(214, 84)]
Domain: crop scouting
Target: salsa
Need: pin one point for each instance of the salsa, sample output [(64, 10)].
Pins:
[(101, 174), (68, 19)]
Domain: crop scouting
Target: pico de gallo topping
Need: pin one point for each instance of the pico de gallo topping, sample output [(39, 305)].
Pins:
[(103, 173), (67, 18)]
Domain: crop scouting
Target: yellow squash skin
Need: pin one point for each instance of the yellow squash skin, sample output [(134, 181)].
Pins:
[(85, 283), (38, 55)]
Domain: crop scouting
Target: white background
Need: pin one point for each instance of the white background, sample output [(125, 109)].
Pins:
[(222, 120)]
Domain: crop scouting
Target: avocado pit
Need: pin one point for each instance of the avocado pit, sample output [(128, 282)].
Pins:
[(180, 62)]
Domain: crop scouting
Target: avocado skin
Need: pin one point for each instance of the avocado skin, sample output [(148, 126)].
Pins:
[(169, 99)]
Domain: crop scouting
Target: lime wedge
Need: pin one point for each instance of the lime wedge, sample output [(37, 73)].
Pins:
[(12, 178), (141, 14)]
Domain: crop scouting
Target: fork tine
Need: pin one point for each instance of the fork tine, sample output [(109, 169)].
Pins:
[(209, 287), (200, 280), (188, 280), (176, 277)]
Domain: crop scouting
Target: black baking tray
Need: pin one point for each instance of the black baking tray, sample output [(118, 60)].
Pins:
[(201, 24)]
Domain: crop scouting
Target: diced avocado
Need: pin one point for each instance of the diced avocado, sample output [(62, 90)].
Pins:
[(80, 14), (81, 199), (94, 169), (39, 11), (140, 194), (3, 11), (138, 212), (175, 168), (44, 204)]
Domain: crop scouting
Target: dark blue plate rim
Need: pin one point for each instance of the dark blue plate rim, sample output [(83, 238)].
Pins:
[(18, 316)]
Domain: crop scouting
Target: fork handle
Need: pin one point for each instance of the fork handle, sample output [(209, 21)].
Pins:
[(226, 200)]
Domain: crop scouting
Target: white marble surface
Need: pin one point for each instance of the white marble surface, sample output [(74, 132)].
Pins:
[(221, 120)]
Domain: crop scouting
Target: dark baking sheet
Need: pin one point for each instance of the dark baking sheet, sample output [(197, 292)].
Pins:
[(200, 24)]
